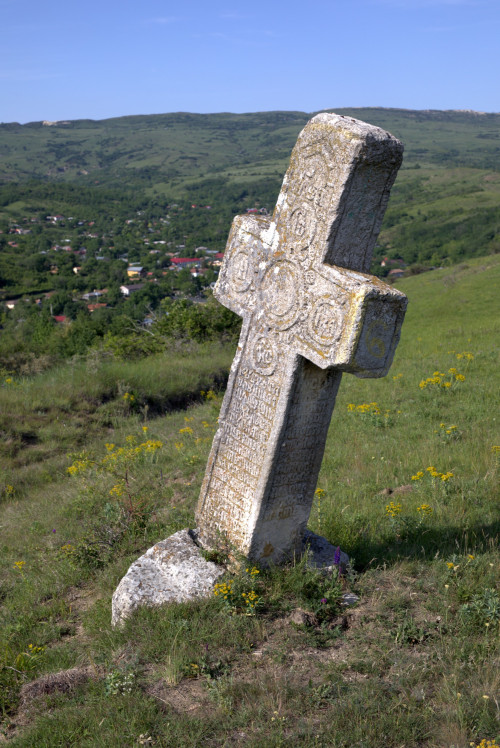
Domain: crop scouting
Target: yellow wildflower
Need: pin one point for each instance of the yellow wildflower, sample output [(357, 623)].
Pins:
[(392, 509), (425, 509)]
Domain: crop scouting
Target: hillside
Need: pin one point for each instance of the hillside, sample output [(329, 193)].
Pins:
[(98, 467), (444, 204), (84, 204), (172, 147)]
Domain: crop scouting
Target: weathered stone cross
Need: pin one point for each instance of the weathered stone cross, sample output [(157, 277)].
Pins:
[(309, 312)]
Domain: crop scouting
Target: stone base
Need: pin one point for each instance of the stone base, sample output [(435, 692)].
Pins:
[(174, 570)]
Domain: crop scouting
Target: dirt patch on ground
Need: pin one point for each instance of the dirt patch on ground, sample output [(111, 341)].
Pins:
[(31, 694), (189, 696), (283, 661), (80, 600), (63, 682)]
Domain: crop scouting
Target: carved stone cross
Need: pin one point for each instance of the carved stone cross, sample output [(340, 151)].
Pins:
[(310, 312)]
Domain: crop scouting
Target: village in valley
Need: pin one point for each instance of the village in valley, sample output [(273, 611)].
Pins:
[(146, 264), (153, 260), (71, 280)]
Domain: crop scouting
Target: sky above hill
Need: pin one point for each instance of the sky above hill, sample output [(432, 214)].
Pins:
[(108, 58)]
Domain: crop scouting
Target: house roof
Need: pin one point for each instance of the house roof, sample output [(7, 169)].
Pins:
[(184, 260), (132, 287), (93, 307)]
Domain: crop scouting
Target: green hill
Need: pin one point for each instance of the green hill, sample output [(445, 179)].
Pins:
[(181, 145), (445, 204)]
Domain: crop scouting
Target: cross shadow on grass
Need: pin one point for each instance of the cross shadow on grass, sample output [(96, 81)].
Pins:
[(419, 543)]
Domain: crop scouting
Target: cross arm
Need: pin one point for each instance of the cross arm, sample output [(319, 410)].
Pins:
[(353, 322), (237, 284)]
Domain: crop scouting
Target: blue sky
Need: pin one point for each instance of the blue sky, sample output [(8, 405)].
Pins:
[(108, 58)]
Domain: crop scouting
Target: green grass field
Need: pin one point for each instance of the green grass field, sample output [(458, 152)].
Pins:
[(408, 488)]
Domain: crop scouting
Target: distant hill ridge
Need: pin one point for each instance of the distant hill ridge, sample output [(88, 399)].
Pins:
[(341, 110), (177, 145)]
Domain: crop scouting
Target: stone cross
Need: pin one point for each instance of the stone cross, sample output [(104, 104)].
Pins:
[(310, 312)]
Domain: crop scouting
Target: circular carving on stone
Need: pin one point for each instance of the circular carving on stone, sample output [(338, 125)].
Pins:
[(264, 355), (280, 294), (325, 322), (241, 270)]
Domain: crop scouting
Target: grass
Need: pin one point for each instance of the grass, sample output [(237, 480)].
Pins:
[(43, 417), (414, 663)]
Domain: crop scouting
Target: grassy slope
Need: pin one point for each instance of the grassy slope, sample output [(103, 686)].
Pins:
[(408, 666), (44, 417)]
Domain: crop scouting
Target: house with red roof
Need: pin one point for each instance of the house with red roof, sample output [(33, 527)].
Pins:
[(185, 262)]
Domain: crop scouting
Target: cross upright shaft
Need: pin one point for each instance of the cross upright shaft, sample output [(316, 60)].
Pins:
[(309, 312)]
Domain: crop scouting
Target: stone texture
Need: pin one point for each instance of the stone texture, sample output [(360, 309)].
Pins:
[(173, 570), (310, 312)]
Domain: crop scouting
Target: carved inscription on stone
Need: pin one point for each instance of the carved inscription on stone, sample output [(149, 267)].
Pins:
[(310, 312), (244, 436), (288, 501)]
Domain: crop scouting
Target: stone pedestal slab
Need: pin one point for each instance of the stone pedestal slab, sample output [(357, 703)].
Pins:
[(174, 570)]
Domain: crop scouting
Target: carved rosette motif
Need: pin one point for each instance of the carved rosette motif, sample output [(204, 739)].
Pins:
[(325, 322), (264, 354), (281, 294), (242, 268)]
